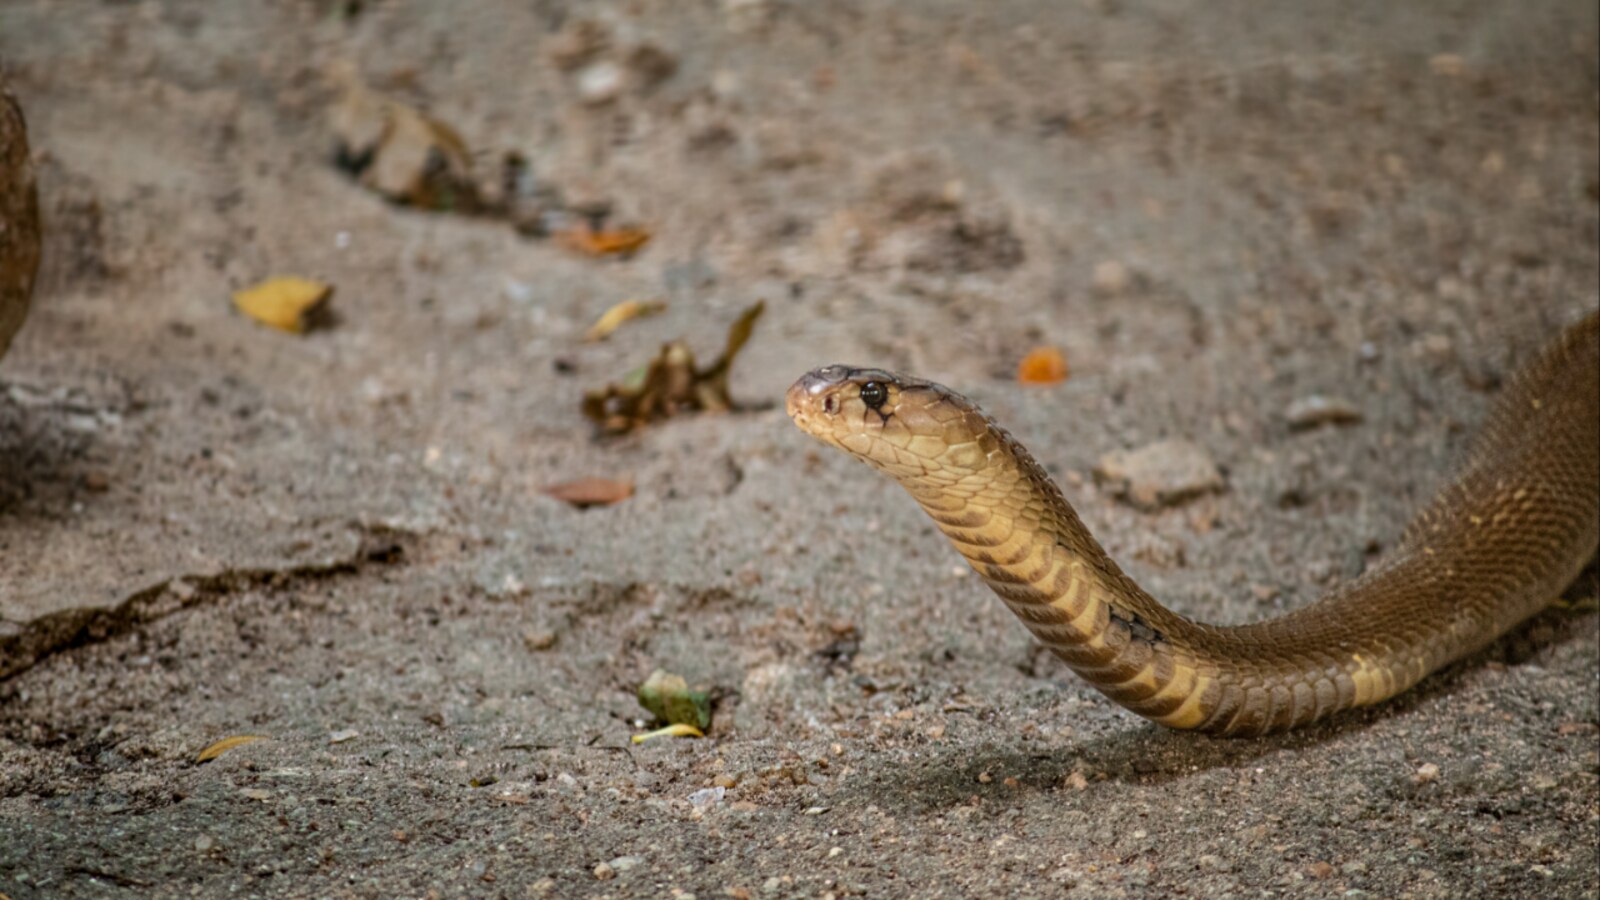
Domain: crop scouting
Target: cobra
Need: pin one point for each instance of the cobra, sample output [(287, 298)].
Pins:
[(1499, 541)]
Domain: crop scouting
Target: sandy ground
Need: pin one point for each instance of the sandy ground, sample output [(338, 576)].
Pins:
[(336, 540)]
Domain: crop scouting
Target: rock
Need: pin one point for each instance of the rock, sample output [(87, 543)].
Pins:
[(601, 82), (706, 797), (604, 872), (1425, 773), (624, 863), (1318, 409), (19, 220), (538, 638), (1165, 473), (1111, 278)]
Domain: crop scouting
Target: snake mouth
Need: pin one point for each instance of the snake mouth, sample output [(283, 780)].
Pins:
[(812, 400)]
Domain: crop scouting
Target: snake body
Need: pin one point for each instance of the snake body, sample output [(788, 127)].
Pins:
[(1497, 543)]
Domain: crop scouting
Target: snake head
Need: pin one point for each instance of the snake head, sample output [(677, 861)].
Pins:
[(914, 430)]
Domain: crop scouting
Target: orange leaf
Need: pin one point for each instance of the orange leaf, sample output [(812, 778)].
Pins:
[(606, 242), (586, 492), (1042, 365)]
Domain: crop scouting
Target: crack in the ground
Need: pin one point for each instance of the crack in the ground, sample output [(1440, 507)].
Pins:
[(24, 644)]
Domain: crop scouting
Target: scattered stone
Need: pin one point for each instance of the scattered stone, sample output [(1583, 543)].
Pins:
[(624, 863), (204, 843), (601, 82), (1166, 473), (1111, 278), (1425, 773), (343, 735), (985, 778), (1318, 409), (536, 639), (707, 797), (1077, 781), (1319, 870), (604, 872)]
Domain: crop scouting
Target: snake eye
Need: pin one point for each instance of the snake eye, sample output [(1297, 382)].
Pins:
[(873, 394)]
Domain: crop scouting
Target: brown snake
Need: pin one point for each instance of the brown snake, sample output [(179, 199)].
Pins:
[(1496, 544)]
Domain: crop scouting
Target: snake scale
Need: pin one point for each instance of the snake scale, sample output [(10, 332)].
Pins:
[(1498, 542)]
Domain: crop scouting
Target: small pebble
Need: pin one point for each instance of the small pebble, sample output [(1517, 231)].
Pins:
[(706, 797), (343, 735), (600, 82), (538, 638), (985, 778), (604, 872), (624, 863), (1319, 870), (204, 843), (1425, 773), (1111, 278)]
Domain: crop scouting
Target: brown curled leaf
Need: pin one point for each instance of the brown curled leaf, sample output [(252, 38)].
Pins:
[(226, 744), (670, 384), (625, 311), (587, 492)]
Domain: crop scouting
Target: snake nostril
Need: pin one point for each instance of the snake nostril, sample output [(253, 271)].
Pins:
[(830, 404)]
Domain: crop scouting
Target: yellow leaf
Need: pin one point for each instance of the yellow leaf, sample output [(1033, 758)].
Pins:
[(226, 744), (622, 312), (679, 730), (605, 242), (284, 303)]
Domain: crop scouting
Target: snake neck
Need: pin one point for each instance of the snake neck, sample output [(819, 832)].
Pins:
[(1026, 541)]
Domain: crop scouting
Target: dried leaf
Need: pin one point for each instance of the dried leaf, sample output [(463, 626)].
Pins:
[(670, 699), (670, 384), (679, 730), (1042, 365), (613, 318), (400, 152), (586, 492), (605, 242), (289, 304), (226, 744)]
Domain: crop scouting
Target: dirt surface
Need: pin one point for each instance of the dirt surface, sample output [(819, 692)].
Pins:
[(210, 528)]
